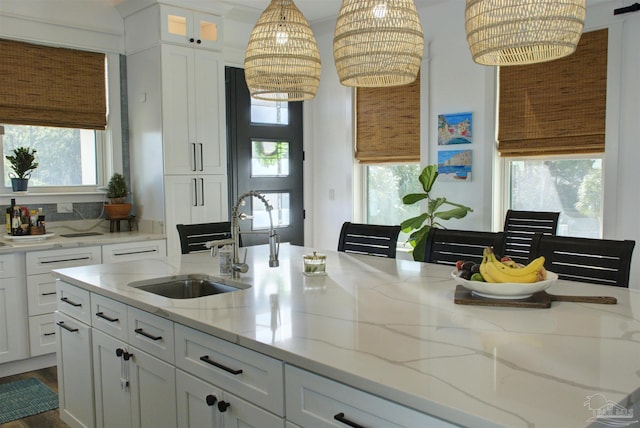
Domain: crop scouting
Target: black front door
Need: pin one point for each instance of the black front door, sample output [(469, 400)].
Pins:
[(265, 146)]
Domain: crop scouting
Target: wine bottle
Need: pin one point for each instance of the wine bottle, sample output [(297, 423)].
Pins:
[(9, 217)]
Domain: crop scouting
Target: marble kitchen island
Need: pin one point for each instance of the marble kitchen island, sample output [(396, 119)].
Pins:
[(390, 327)]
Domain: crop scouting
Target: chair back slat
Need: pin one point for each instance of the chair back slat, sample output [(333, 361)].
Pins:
[(519, 228), (446, 246), (598, 261), (370, 239), (194, 236)]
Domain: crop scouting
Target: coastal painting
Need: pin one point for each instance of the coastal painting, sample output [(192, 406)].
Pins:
[(454, 165), (455, 129)]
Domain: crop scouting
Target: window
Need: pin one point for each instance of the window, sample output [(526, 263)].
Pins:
[(551, 133), (572, 186), (385, 186), (66, 156)]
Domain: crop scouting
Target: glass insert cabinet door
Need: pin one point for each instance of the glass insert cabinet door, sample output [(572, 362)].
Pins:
[(190, 27)]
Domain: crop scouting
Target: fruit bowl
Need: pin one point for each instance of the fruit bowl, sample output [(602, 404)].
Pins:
[(505, 290)]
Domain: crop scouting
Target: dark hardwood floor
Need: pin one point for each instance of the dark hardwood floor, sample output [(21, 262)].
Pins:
[(48, 419)]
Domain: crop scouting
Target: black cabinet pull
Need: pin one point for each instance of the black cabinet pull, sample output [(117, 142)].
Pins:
[(208, 360), (199, 41), (63, 325), (211, 399), (341, 418), (50, 334), (223, 406), (71, 302), (119, 352), (191, 39), (127, 355), (145, 334), (48, 294), (106, 317)]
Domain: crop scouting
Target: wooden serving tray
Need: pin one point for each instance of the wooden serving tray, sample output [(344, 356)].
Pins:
[(541, 299)]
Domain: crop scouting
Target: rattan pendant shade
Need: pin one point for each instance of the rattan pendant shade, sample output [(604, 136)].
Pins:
[(282, 62), (378, 43), (508, 32)]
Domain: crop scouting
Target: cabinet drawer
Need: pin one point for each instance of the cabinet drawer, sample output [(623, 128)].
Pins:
[(151, 333), (42, 334), (7, 265), (46, 261), (134, 251), (109, 316), (316, 401), (74, 301), (41, 294), (248, 374)]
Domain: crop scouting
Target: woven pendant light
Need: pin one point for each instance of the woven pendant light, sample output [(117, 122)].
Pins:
[(378, 43), (508, 32), (282, 62)]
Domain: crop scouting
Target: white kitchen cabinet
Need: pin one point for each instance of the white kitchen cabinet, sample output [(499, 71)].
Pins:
[(133, 388), (41, 291), (191, 28), (315, 401), (193, 122), (203, 405), (13, 309), (139, 250), (75, 375), (193, 199)]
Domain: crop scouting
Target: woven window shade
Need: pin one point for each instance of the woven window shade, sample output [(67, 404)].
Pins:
[(558, 107), (47, 86), (388, 124)]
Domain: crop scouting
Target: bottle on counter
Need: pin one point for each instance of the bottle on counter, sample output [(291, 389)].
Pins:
[(16, 221), (9, 217), (40, 222), (225, 255)]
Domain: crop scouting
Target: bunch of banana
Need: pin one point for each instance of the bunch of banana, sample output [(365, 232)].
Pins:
[(493, 270)]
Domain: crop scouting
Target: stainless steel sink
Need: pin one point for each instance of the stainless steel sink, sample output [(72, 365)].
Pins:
[(188, 286)]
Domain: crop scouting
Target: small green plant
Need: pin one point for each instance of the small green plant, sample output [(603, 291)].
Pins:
[(117, 189), (23, 161), (415, 225)]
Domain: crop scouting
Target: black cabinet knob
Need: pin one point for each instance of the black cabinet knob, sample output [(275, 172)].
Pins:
[(223, 406), (211, 400)]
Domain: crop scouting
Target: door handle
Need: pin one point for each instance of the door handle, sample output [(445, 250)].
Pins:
[(201, 155), (195, 192), (194, 161), (202, 192)]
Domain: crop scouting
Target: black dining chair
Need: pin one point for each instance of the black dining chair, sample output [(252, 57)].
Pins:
[(447, 246), (519, 228), (370, 239), (598, 261), (194, 236)]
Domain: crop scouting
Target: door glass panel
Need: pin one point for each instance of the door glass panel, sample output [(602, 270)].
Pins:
[(208, 31), (177, 25), (280, 212), (269, 159), (273, 113)]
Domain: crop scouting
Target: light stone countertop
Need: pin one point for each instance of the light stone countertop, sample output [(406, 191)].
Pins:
[(8, 245), (390, 327)]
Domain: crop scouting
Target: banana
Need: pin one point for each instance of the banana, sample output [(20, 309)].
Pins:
[(483, 267), (501, 272)]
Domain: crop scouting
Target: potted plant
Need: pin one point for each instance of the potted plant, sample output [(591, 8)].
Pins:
[(117, 192), (416, 225), (23, 163)]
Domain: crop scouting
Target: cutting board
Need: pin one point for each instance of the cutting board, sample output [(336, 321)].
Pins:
[(541, 299)]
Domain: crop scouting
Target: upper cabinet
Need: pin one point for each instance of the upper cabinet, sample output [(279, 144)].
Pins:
[(160, 23), (190, 28)]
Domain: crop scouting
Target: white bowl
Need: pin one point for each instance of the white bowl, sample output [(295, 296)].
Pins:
[(505, 290)]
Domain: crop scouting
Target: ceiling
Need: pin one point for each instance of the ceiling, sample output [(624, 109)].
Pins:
[(318, 10)]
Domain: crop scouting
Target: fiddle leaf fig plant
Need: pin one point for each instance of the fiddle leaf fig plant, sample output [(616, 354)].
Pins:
[(23, 161), (437, 209)]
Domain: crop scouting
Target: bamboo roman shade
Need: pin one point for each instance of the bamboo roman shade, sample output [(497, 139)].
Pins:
[(556, 107), (47, 86), (388, 124)]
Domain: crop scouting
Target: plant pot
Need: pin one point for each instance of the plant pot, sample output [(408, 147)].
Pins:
[(115, 211), (19, 184)]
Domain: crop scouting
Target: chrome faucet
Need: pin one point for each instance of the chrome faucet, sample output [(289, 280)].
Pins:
[(238, 266)]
